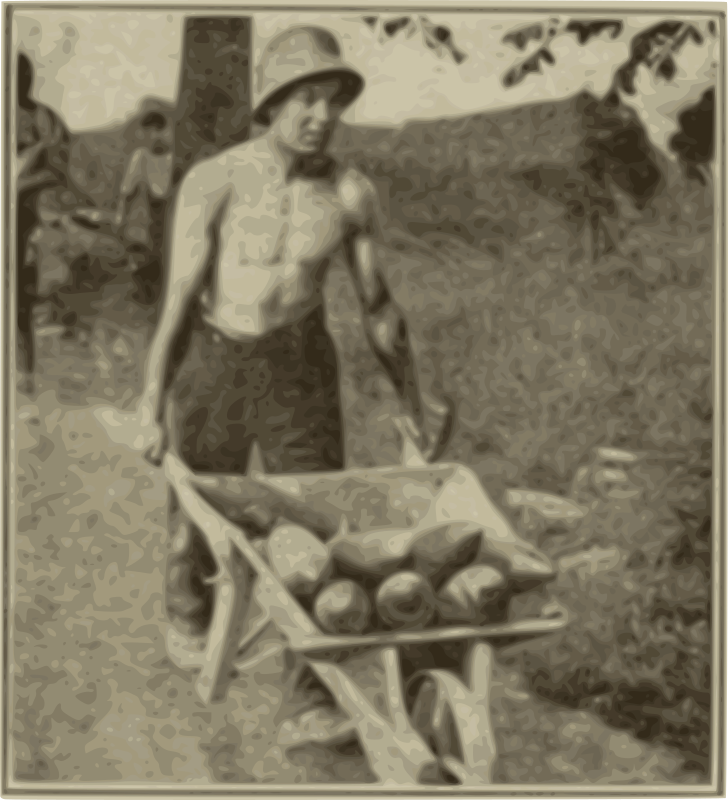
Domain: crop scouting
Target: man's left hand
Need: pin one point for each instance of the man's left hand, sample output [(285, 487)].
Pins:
[(433, 436)]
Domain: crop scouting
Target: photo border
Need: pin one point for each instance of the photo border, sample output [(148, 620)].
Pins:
[(717, 786)]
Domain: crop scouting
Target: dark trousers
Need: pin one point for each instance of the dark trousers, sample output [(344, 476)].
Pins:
[(283, 391)]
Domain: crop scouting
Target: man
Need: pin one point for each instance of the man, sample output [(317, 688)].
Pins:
[(42, 152), (144, 190), (255, 230)]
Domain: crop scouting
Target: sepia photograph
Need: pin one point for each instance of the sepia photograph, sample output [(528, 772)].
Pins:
[(360, 377)]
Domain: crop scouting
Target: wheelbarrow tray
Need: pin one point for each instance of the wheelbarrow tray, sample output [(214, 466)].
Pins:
[(402, 497), (381, 497)]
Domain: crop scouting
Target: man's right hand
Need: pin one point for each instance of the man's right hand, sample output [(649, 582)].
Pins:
[(139, 430), (149, 435), (433, 432)]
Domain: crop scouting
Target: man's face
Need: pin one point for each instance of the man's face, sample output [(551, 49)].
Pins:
[(302, 120)]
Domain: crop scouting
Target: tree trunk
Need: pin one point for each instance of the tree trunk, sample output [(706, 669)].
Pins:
[(213, 110)]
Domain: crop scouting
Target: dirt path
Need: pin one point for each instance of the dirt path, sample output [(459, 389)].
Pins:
[(96, 698)]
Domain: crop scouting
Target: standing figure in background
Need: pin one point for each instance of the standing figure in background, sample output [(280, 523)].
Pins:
[(42, 153), (144, 192)]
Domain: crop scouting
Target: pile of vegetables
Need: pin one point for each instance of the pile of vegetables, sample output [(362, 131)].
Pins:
[(390, 579)]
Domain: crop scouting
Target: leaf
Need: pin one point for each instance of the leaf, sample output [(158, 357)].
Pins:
[(616, 455), (695, 35), (530, 65), (440, 39), (314, 726), (371, 21), (586, 30), (643, 50), (548, 506), (393, 27), (522, 36), (442, 34), (667, 68)]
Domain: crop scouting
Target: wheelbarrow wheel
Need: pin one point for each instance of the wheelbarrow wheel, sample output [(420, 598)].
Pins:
[(434, 718), (453, 717)]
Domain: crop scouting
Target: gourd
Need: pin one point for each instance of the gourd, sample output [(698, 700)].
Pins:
[(298, 557), (469, 591), (405, 600), (382, 550), (342, 607)]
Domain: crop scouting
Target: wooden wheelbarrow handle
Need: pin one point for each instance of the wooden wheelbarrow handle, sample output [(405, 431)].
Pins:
[(524, 627), (290, 618)]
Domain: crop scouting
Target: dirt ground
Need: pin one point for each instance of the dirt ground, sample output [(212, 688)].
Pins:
[(95, 697)]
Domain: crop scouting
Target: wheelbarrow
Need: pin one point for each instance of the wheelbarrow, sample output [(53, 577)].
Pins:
[(432, 726)]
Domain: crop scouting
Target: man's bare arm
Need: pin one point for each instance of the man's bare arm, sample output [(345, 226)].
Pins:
[(384, 322), (197, 205)]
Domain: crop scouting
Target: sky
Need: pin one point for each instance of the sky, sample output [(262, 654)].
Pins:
[(95, 67)]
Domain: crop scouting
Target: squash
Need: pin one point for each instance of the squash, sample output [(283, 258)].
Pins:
[(342, 607), (299, 558), (469, 591), (405, 600), (383, 550)]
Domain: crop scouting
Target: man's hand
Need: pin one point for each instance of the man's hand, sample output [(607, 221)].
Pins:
[(149, 433), (434, 434), (139, 430)]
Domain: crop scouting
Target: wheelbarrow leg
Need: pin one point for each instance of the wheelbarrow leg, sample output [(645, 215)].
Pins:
[(477, 741), (218, 636), (185, 648), (185, 567), (179, 603), (222, 582)]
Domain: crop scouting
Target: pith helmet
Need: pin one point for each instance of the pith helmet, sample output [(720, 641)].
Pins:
[(300, 55)]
